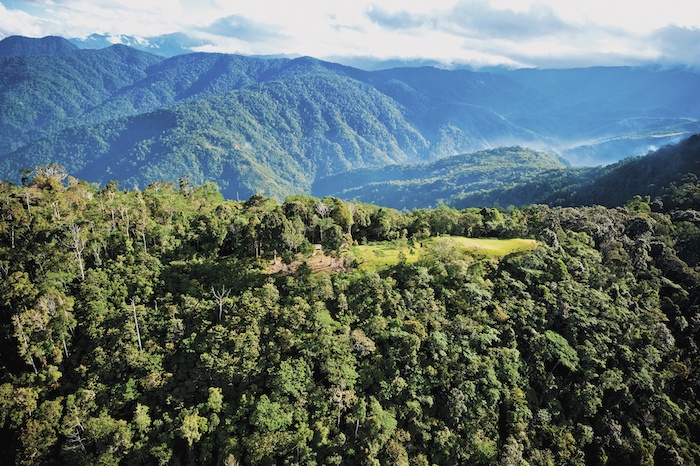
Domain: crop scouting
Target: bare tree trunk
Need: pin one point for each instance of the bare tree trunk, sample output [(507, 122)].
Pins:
[(76, 439), (138, 333), (78, 245), (72, 329), (339, 397), (124, 211), (220, 296), (96, 253)]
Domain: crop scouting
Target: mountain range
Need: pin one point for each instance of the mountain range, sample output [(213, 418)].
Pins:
[(281, 126)]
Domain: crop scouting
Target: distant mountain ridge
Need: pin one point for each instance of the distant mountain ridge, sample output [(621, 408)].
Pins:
[(14, 46), (167, 45), (278, 125), (515, 176)]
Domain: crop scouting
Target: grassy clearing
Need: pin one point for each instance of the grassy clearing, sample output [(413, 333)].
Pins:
[(377, 256), (382, 255), (489, 247)]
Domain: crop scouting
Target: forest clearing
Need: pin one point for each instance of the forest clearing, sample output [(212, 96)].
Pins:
[(382, 255)]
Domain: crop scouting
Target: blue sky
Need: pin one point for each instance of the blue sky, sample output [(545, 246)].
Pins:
[(514, 33)]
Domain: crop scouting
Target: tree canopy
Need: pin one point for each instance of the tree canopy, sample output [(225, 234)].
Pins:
[(143, 327)]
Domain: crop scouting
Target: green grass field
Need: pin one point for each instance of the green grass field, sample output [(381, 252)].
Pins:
[(378, 256)]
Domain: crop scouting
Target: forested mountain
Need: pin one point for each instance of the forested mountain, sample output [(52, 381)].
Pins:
[(148, 316), (272, 138), (24, 46), (651, 176), (443, 182), (516, 177), (144, 327), (40, 95), (277, 125), (658, 175)]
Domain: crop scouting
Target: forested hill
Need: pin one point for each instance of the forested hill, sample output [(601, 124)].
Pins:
[(23, 46), (516, 176), (445, 181), (277, 125), (145, 327), (650, 175)]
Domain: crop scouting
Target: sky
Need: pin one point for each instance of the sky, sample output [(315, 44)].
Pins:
[(449, 33)]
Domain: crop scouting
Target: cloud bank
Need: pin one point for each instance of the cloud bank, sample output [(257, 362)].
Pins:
[(477, 33)]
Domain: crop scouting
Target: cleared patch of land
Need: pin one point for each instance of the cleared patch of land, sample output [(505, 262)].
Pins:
[(490, 247), (382, 255), (377, 256)]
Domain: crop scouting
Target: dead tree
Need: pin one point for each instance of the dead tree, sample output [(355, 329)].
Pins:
[(220, 296)]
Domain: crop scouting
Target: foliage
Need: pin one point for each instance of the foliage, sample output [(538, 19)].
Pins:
[(140, 327)]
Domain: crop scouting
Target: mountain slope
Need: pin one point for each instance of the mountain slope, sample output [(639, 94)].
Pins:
[(41, 94), (458, 111), (653, 176), (517, 176), (650, 175), (444, 181), (274, 137), (181, 78), (608, 113), (592, 116), (281, 124)]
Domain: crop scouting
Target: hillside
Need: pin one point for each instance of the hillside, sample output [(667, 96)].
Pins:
[(83, 108), (516, 177), (659, 175), (650, 175), (444, 181), (40, 95), (274, 137), (143, 327), (591, 116)]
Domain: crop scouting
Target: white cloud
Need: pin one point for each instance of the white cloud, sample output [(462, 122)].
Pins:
[(242, 28), (629, 15), (476, 32), (17, 22), (679, 43), (80, 18)]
